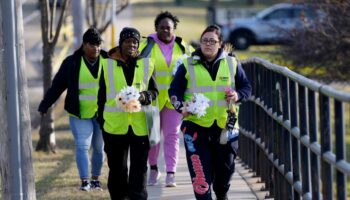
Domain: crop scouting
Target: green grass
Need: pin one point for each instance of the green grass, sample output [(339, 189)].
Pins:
[(56, 175)]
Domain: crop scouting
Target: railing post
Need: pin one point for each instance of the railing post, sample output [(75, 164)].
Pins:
[(286, 139), (314, 162), (340, 150), (304, 153), (295, 142), (326, 169)]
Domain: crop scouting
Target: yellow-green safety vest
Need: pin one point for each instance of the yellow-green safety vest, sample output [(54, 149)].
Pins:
[(88, 89), (200, 81), (116, 121), (164, 73)]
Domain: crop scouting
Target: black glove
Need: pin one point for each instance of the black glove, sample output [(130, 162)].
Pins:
[(145, 97)]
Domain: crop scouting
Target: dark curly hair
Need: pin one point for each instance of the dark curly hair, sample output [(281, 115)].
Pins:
[(164, 15)]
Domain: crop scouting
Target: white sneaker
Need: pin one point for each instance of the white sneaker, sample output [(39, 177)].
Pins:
[(170, 180), (85, 185), (153, 178)]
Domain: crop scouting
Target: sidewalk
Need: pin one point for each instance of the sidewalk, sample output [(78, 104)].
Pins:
[(239, 187)]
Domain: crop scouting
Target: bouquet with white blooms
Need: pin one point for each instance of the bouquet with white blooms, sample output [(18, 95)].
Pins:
[(128, 99), (197, 105)]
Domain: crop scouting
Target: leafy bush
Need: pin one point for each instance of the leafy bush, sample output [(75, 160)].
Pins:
[(324, 44)]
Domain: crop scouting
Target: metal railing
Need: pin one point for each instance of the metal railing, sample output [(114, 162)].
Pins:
[(293, 133)]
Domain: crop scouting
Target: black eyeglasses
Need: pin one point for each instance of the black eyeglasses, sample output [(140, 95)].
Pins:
[(209, 41)]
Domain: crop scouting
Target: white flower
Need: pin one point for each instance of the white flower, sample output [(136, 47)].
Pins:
[(127, 99), (197, 105)]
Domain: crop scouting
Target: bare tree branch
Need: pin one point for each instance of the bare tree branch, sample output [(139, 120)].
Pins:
[(99, 18), (60, 22)]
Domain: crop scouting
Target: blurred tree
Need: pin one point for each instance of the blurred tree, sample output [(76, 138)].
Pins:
[(79, 25), (178, 2), (50, 31), (324, 43), (250, 2), (98, 15), (211, 11)]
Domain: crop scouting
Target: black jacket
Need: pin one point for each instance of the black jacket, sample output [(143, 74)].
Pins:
[(67, 77)]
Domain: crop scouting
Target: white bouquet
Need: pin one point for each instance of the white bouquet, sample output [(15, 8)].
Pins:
[(128, 99), (197, 105)]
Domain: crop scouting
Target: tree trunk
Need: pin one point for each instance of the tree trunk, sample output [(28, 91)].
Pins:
[(47, 141), (78, 13), (25, 129), (4, 137)]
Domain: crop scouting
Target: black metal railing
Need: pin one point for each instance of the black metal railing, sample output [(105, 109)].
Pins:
[(293, 133)]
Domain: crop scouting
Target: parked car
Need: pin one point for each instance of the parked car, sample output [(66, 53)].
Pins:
[(271, 25)]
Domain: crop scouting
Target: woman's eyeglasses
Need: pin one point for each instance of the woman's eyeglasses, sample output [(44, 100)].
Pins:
[(209, 41)]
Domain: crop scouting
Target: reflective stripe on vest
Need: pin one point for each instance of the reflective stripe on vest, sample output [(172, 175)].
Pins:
[(199, 81), (88, 89), (116, 120)]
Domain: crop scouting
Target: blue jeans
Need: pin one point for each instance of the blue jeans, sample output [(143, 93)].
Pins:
[(87, 133)]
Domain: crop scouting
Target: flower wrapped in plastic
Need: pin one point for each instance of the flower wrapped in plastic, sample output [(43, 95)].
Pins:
[(128, 99), (229, 129), (197, 105)]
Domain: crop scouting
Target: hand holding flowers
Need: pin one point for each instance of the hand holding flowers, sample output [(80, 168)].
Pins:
[(197, 105), (128, 99)]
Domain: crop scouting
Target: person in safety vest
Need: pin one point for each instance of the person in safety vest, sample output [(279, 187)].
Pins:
[(79, 74), (123, 131), (165, 48), (217, 75)]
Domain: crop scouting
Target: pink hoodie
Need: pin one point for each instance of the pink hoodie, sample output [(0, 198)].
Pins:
[(167, 49)]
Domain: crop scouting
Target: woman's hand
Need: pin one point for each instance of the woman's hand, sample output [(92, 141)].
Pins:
[(184, 110), (231, 96)]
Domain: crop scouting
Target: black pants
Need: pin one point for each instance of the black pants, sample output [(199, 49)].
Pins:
[(121, 184), (209, 162)]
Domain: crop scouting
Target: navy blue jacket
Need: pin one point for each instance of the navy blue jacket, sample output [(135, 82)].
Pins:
[(179, 84)]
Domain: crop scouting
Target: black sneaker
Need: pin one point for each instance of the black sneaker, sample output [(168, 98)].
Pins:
[(96, 185), (222, 197), (85, 185)]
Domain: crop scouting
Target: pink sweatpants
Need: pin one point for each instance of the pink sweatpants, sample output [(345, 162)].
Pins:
[(169, 124)]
